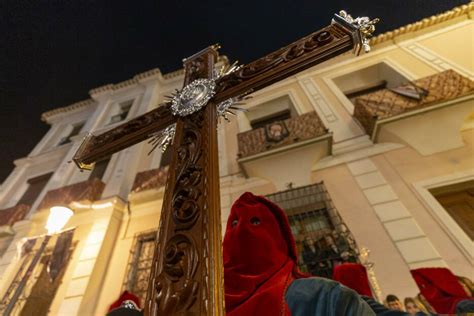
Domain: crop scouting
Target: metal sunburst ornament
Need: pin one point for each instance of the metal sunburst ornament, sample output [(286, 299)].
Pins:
[(197, 94), (231, 106), (163, 138), (226, 70)]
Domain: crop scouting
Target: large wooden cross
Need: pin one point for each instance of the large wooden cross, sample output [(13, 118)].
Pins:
[(187, 270)]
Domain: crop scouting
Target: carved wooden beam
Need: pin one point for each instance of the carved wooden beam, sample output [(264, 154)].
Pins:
[(95, 148), (289, 60), (186, 278)]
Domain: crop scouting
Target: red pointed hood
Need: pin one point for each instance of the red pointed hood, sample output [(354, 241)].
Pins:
[(440, 287), (354, 276), (260, 258)]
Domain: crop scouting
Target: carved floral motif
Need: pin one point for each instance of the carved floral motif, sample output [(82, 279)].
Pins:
[(293, 58), (176, 289)]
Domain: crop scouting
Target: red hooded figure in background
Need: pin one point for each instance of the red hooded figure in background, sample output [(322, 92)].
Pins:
[(260, 259), (441, 289)]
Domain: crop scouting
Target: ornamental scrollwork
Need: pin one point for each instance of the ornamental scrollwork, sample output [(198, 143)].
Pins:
[(176, 290), (187, 191)]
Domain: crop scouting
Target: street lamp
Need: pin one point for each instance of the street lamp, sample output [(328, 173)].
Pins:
[(57, 219)]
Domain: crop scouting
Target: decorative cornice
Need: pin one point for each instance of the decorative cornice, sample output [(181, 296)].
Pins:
[(75, 106), (425, 23)]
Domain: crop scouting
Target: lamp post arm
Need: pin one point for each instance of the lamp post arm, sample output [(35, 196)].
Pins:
[(25, 278)]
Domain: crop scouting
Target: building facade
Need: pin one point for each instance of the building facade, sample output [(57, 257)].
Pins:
[(373, 152)]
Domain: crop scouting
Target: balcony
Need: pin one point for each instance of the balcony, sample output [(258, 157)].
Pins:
[(150, 179), (89, 190), (275, 147), (420, 122), (10, 216)]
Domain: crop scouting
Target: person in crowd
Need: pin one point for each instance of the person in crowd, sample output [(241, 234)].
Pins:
[(411, 306), (311, 256), (393, 303)]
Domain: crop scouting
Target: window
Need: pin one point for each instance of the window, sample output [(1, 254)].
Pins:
[(368, 80), (121, 112), (139, 266), (458, 201), (75, 130), (99, 169), (278, 109), (322, 239), (35, 186)]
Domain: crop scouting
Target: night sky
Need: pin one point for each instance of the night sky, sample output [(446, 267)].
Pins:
[(53, 52)]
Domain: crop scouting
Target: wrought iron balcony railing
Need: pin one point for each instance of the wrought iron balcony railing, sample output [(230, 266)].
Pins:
[(89, 190), (13, 214), (280, 133), (150, 179), (422, 93)]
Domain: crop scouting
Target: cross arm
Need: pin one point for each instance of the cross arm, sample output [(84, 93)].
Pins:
[(344, 34), (95, 148)]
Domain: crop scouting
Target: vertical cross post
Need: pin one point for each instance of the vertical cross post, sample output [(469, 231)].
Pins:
[(186, 275)]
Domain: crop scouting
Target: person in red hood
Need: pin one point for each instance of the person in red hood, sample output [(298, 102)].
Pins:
[(261, 275), (442, 290)]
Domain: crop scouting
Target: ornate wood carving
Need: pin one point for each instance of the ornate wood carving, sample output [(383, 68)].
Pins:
[(96, 148), (302, 54), (180, 279)]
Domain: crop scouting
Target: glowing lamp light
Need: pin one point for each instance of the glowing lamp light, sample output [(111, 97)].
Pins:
[(58, 217)]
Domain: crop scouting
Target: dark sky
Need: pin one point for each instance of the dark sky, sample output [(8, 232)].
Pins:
[(53, 52)]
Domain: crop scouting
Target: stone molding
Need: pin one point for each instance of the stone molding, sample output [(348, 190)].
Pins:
[(425, 23), (73, 107)]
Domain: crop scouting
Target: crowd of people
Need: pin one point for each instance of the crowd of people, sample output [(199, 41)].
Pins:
[(411, 305), (321, 255)]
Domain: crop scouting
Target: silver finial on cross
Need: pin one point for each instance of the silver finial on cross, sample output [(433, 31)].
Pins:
[(362, 29)]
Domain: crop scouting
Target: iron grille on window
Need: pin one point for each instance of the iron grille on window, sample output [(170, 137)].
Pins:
[(322, 238), (139, 265)]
